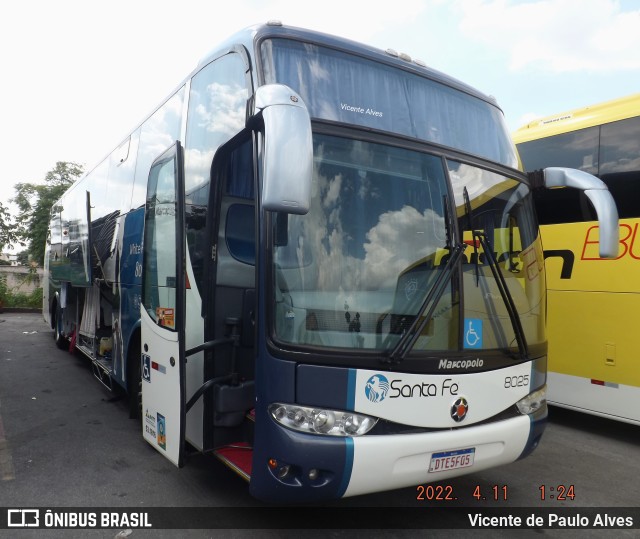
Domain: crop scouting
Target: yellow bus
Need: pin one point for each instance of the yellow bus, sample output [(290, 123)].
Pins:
[(593, 303)]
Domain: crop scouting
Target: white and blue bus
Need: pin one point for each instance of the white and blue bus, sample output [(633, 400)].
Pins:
[(320, 262)]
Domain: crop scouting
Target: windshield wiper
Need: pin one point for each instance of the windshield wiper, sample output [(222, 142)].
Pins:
[(409, 338), (504, 292), (507, 299)]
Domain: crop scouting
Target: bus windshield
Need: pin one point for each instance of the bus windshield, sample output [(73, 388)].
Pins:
[(355, 271)]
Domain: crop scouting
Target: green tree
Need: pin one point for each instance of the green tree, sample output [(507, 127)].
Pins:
[(35, 201), (23, 258), (8, 233)]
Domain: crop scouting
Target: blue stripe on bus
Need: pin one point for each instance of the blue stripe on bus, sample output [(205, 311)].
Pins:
[(348, 466), (348, 441), (351, 389)]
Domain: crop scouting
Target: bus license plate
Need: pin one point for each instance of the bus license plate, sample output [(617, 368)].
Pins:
[(451, 460)]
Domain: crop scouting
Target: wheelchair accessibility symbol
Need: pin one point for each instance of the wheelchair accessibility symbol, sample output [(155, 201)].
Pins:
[(473, 333)]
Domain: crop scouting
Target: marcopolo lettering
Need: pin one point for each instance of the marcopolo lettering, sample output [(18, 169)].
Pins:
[(460, 363)]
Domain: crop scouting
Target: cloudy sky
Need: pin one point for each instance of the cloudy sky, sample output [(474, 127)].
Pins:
[(78, 75)]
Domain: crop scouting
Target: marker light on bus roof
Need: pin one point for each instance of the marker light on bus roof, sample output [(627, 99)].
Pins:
[(533, 401), (321, 421)]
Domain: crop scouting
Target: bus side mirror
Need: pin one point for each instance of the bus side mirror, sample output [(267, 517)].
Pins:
[(599, 196), (288, 149)]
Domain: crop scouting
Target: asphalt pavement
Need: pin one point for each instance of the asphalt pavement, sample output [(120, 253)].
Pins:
[(67, 442)]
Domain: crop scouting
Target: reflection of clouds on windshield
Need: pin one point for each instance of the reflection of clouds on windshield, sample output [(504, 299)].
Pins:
[(327, 237), (397, 240), (366, 188), (332, 192)]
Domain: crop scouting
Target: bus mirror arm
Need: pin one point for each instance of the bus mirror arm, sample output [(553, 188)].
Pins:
[(287, 161), (607, 213), (599, 195)]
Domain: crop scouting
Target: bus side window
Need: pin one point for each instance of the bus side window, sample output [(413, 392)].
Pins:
[(619, 169)]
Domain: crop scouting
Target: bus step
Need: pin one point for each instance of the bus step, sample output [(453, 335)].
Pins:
[(238, 457), (102, 371), (85, 348)]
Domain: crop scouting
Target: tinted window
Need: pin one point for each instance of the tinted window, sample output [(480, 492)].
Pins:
[(240, 232), (620, 146), (555, 206), (578, 149), (347, 88), (611, 152), (620, 164)]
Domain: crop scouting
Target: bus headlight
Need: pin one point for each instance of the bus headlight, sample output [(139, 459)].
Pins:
[(533, 401), (321, 420)]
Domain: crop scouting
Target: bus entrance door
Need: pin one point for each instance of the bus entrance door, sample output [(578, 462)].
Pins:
[(163, 307)]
